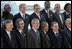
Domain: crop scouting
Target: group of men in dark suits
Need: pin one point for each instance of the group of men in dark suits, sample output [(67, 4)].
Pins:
[(48, 29)]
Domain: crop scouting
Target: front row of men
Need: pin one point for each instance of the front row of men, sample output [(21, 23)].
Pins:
[(16, 38)]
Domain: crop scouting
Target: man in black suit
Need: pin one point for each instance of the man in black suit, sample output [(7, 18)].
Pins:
[(67, 12), (37, 14), (47, 13), (19, 33), (33, 35), (8, 35), (67, 33), (58, 16), (44, 35), (6, 12), (2, 42), (56, 36), (22, 15)]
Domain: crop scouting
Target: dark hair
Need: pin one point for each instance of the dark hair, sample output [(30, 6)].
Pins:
[(67, 4), (45, 2), (36, 5)]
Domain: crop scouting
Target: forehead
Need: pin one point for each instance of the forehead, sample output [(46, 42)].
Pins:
[(21, 21), (55, 24)]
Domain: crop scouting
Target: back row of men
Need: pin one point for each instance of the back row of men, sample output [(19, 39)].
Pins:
[(45, 31)]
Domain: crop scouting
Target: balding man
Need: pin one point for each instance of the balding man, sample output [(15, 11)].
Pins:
[(22, 14), (44, 35)]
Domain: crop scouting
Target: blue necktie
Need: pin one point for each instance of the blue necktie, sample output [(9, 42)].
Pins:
[(57, 35), (37, 35)]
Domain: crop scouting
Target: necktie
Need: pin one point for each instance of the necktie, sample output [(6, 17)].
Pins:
[(61, 19), (22, 34), (57, 35), (46, 34), (37, 35), (24, 16), (48, 14)]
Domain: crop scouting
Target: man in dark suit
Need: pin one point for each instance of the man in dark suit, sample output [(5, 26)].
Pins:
[(33, 35), (58, 16), (47, 13), (67, 33), (6, 12), (19, 33), (8, 35), (67, 12), (56, 36), (2, 42), (44, 35), (37, 14), (22, 15)]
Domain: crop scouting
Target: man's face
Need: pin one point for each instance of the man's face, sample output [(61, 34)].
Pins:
[(68, 9), (46, 28), (58, 8), (23, 8), (9, 26), (36, 24), (68, 24), (47, 5), (55, 27), (21, 24), (8, 8), (37, 9)]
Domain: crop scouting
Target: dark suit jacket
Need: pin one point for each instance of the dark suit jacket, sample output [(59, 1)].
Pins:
[(20, 40), (57, 18), (45, 41), (7, 15), (56, 43), (67, 38), (7, 42), (26, 21), (44, 14), (32, 40), (66, 16), (33, 15), (2, 42)]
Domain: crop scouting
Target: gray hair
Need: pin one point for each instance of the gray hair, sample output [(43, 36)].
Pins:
[(7, 21), (17, 22), (33, 21), (21, 5), (56, 5), (66, 21), (43, 24), (54, 22)]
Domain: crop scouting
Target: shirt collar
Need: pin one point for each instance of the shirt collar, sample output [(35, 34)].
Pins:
[(7, 32), (22, 14), (55, 32), (34, 29), (19, 30), (47, 10)]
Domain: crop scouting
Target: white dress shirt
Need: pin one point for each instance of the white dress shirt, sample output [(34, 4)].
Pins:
[(9, 34), (23, 15)]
